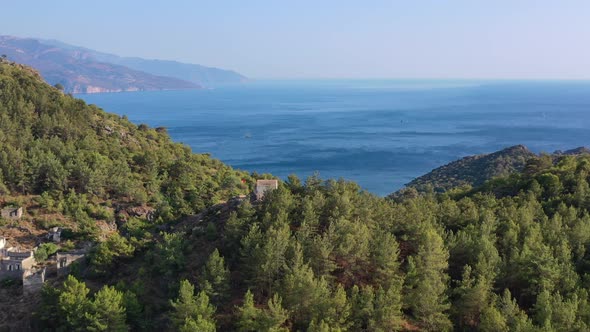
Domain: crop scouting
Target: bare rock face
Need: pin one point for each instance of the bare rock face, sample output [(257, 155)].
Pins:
[(122, 214), (142, 212)]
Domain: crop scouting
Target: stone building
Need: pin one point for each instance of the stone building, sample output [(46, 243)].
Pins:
[(66, 259), (54, 234), (14, 263), (19, 265), (264, 186), (12, 213)]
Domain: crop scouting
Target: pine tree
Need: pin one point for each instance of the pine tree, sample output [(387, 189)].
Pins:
[(251, 254), (277, 207), (235, 228), (48, 313), (294, 184), (319, 254), (215, 278), (275, 316), (335, 310), (73, 304), (384, 256), (427, 283), (272, 256), (564, 313), (387, 315), (299, 290), (543, 310), (248, 315), (351, 244), (362, 307), (190, 309), (135, 311), (251, 318), (322, 326), (491, 320), (170, 253), (380, 310), (108, 311), (473, 297), (106, 252), (308, 226), (309, 298), (516, 319), (197, 325)]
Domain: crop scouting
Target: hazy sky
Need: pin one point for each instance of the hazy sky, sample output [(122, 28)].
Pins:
[(325, 38)]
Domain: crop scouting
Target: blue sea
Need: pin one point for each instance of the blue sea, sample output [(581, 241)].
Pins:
[(379, 133)]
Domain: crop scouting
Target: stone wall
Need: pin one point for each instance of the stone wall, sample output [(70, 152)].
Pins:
[(33, 280), (66, 259), (12, 213)]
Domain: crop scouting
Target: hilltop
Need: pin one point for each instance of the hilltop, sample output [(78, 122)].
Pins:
[(474, 170)]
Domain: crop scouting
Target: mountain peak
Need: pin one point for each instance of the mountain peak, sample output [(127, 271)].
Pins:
[(518, 147)]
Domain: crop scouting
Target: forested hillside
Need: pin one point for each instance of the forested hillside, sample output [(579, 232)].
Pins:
[(54, 144), (313, 255), (473, 170)]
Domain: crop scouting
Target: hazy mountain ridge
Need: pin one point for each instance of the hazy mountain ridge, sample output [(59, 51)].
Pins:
[(202, 75), (82, 70)]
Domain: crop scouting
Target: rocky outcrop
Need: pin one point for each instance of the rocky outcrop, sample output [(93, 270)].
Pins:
[(122, 214), (572, 152)]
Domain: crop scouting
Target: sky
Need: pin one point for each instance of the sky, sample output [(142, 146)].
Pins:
[(496, 39)]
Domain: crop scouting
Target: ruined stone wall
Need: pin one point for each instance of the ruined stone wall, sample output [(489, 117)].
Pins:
[(33, 280), (66, 259)]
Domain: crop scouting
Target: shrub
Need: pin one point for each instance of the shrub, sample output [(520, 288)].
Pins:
[(44, 251)]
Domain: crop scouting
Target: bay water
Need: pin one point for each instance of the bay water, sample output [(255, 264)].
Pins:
[(378, 133)]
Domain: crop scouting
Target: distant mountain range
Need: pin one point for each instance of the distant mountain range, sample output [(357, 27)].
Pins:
[(82, 70), (476, 170)]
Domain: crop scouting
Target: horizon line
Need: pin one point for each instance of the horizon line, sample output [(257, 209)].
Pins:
[(489, 79)]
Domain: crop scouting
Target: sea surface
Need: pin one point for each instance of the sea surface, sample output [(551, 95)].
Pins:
[(379, 133)]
